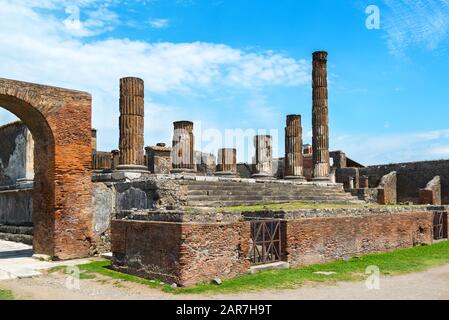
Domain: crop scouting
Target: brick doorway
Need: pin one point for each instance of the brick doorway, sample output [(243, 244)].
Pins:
[(60, 122)]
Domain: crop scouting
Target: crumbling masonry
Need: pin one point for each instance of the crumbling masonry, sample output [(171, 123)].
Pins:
[(164, 214)]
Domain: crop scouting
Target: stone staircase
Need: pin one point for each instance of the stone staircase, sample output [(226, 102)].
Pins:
[(16, 234), (231, 193)]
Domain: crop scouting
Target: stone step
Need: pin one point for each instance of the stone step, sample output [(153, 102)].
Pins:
[(249, 203), (267, 198), (261, 188), (264, 197), (16, 229), (257, 183), (23, 238), (262, 192)]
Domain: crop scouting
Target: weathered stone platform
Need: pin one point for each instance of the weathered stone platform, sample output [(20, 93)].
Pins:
[(178, 191), (196, 245)]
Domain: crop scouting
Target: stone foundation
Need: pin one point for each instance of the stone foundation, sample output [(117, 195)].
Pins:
[(189, 248)]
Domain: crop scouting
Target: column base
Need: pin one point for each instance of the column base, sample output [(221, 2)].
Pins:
[(262, 176), (25, 181), (321, 179), (225, 174), (296, 178), (132, 168), (183, 171)]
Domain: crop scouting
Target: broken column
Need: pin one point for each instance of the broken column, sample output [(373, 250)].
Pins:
[(293, 148), (115, 156), (94, 140), (263, 160), (227, 162), (364, 182), (182, 152), (131, 124), (320, 117)]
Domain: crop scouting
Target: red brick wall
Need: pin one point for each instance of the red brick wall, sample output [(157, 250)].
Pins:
[(60, 122), (179, 252), (319, 240), (187, 253)]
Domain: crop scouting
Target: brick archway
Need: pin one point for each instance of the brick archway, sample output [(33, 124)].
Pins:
[(60, 122)]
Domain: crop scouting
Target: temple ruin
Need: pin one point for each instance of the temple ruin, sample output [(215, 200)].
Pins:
[(172, 213)]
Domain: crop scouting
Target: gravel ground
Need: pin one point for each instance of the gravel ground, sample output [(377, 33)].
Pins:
[(432, 284)]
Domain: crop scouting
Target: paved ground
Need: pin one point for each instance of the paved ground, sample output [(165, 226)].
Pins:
[(16, 261), (432, 284)]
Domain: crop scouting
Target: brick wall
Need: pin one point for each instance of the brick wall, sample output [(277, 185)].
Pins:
[(319, 240), (60, 122), (188, 253), (181, 253), (411, 177)]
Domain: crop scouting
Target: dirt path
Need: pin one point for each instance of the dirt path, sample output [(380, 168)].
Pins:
[(432, 284)]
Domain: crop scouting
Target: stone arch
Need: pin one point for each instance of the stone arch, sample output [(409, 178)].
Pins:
[(60, 122)]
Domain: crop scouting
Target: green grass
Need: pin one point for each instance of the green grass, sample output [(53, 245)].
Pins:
[(6, 295), (390, 263), (103, 267), (294, 206)]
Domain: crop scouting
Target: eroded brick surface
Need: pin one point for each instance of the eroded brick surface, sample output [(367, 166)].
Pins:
[(188, 253), (60, 122), (319, 240)]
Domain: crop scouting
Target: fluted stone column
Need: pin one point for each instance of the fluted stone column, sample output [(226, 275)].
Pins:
[(131, 124), (293, 149), (320, 118), (183, 153), (227, 162), (263, 160)]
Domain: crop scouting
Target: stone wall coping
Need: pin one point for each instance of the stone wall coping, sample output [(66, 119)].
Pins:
[(17, 187), (219, 216), (118, 176)]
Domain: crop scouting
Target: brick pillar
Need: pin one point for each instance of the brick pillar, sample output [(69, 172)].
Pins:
[(131, 124), (263, 160), (183, 153), (320, 118), (293, 148), (227, 162), (364, 182)]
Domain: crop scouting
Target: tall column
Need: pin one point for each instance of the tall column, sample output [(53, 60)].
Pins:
[(293, 148), (131, 124), (263, 160), (183, 153), (320, 118), (227, 162)]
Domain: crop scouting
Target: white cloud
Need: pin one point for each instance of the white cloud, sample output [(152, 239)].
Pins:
[(38, 47), (159, 23), (411, 23), (393, 148)]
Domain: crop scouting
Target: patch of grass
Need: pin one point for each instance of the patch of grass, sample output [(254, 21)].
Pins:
[(103, 267), (6, 295), (390, 263), (294, 206)]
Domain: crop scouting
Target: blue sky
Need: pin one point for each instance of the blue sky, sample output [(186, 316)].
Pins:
[(245, 64)]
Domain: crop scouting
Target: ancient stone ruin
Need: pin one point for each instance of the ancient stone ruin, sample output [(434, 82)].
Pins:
[(173, 213)]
